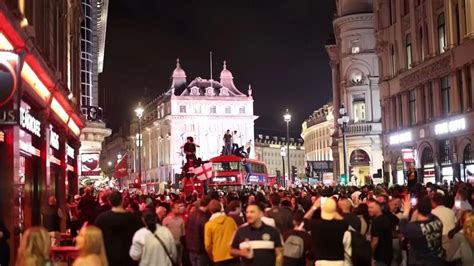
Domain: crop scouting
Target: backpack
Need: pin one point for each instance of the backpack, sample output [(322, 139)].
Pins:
[(293, 247), (361, 250)]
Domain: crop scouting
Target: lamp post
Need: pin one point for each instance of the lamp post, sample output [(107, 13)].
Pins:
[(343, 121), (139, 112), (283, 154), (287, 118)]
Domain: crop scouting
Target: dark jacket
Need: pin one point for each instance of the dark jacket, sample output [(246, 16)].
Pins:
[(51, 219), (195, 231), (4, 248)]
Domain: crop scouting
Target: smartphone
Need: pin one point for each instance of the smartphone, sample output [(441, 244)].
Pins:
[(323, 200), (457, 204), (413, 201)]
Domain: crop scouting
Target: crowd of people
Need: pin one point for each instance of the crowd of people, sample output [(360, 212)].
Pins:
[(338, 225)]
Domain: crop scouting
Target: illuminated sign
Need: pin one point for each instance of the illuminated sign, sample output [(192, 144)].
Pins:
[(2, 136), (54, 139), (30, 123), (400, 138), (90, 164), (219, 179), (450, 126), (70, 151), (408, 155)]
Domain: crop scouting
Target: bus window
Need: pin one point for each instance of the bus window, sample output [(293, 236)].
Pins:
[(226, 166), (258, 168)]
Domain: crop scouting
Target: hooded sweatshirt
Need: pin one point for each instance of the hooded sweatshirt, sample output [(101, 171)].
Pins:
[(218, 234)]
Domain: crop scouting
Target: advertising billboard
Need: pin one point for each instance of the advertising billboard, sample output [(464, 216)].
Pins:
[(90, 164)]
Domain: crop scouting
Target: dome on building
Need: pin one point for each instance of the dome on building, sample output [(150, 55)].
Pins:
[(178, 71), (348, 7), (225, 73)]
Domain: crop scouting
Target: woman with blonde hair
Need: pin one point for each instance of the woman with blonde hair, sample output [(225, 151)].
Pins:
[(90, 244), (34, 248), (462, 244)]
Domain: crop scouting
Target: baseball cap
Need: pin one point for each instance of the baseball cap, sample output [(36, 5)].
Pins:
[(329, 209)]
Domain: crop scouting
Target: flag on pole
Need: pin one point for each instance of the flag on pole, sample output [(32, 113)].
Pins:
[(121, 167)]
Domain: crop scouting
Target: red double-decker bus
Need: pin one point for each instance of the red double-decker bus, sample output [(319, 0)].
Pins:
[(229, 171)]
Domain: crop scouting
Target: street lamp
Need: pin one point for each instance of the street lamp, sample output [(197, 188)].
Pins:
[(287, 118), (139, 112), (109, 163), (283, 154), (343, 121)]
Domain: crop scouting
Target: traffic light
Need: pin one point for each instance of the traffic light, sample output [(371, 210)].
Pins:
[(294, 172), (352, 174), (136, 183)]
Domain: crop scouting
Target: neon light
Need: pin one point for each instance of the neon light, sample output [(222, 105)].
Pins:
[(74, 128), (29, 122), (28, 148), (32, 79), (59, 110), (70, 151), (4, 43), (400, 138), (450, 126), (2, 136), (53, 139)]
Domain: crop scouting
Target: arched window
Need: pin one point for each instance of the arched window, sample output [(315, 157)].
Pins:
[(441, 34), (408, 50)]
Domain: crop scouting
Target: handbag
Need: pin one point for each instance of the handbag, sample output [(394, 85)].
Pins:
[(174, 263)]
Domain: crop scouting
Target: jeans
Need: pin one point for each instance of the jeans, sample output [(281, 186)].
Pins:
[(199, 259)]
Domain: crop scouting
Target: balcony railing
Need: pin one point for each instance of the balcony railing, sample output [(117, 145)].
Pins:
[(364, 128)]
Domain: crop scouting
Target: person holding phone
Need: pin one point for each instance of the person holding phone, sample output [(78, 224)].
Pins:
[(424, 235)]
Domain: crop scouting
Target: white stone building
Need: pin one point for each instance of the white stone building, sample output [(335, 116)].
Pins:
[(355, 77), (203, 109), (317, 133), (268, 150)]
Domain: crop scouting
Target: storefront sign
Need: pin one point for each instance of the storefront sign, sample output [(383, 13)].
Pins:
[(54, 139), (398, 138), (219, 179), (450, 126), (359, 156), (28, 122), (408, 155)]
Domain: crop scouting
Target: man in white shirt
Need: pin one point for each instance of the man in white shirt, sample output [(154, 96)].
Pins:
[(446, 216)]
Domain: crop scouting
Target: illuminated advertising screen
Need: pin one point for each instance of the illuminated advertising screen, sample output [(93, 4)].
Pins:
[(90, 164)]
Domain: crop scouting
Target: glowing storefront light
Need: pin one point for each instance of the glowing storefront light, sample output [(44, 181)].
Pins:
[(400, 138), (4, 43), (32, 79), (74, 128), (450, 126), (59, 110)]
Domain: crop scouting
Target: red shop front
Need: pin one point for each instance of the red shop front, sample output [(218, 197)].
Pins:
[(39, 135)]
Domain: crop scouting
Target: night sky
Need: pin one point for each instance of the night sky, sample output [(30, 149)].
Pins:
[(275, 45)]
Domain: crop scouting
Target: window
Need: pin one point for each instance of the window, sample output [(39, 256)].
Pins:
[(228, 110), (242, 110), (441, 34), (182, 108), (458, 24), (445, 95), (406, 7), (429, 101), (399, 113), (213, 110), (422, 45), (408, 50), (393, 60), (460, 90), (391, 12), (359, 110), (355, 46), (412, 106), (469, 86)]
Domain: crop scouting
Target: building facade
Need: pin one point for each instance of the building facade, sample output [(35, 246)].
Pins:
[(355, 76), (317, 132), (268, 150), (202, 109), (40, 124), (426, 57), (93, 32)]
